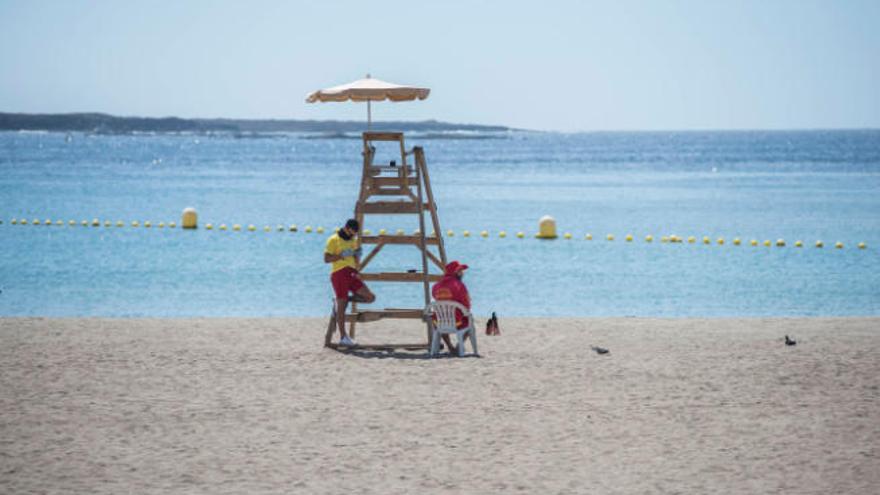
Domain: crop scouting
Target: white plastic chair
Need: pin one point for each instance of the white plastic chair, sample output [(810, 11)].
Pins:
[(444, 311)]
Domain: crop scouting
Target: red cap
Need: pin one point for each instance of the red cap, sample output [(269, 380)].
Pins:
[(455, 266)]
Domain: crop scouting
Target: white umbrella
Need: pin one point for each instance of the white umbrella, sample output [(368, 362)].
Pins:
[(369, 90)]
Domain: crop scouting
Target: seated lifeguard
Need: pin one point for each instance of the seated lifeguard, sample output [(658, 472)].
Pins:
[(452, 288), (343, 250)]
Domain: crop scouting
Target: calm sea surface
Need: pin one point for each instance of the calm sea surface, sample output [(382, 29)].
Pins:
[(805, 186)]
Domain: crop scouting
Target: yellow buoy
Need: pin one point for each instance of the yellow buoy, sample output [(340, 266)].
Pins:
[(48, 222), (502, 234), (382, 231), (520, 235), (189, 219), (767, 243), (280, 228), (267, 229), (838, 245), (308, 229), (293, 228), (135, 223), (161, 225), (148, 224), (862, 245), (649, 238), (609, 237), (450, 233), (629, 238), (706, 240), (251, 228), (664, 239), (59, 223), (84, 223), (588, 237), (13, 221), (467, 233), (71, 223), (484, 233), (820, 244), (720, 241), (798, 244), (417, 232), (567, 235), (222, 226), (692, 239), (24, 221), (320, 230), (780, 242), (546, 228), (236, 227), (736, 241), (172, 225), (400, 232), (753, 242), (36, 221), (209, 226), (119, 223)]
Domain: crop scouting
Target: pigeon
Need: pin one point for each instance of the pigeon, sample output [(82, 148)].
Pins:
[(789, 341), (600, 350)]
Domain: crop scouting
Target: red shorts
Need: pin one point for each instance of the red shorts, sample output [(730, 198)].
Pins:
[(344, 281)]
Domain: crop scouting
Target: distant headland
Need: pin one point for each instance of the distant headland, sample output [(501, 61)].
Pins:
[(111, 124)]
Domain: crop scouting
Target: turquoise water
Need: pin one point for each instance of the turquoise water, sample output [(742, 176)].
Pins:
[(762, 185)]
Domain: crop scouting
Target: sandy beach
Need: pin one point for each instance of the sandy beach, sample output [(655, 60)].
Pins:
[(258, 406)]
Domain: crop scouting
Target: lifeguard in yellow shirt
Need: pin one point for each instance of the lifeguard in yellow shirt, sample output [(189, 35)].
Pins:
[(343, 250)]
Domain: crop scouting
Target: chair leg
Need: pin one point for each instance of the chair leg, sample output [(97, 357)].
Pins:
[(460, 344), (473, 335), (435, 343)]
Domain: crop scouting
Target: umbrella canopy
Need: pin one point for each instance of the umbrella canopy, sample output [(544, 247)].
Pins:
[(369, 90)]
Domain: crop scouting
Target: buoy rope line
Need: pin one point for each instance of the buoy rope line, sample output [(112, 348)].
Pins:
[(484, 234)]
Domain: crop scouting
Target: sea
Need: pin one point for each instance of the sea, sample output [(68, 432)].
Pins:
[(779, 186)]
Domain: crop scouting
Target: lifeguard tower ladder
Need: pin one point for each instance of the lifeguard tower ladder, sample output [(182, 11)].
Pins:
[(404, 190)]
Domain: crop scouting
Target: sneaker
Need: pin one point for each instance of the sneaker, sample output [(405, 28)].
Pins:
[(346, 341)]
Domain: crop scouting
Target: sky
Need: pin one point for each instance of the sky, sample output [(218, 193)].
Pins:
[(545, 65)]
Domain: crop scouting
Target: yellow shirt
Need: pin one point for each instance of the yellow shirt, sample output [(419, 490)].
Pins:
[(336, 245)]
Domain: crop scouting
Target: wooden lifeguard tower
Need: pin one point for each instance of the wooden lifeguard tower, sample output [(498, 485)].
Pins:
[(399, 188)]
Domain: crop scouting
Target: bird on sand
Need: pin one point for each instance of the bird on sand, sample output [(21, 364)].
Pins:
[(600, 350), (789, 341)]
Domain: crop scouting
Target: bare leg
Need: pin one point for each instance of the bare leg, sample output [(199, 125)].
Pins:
[(448, 342), (364, 295), (341, 304)]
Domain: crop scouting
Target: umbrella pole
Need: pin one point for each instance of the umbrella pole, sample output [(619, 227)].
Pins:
[(369, 115)]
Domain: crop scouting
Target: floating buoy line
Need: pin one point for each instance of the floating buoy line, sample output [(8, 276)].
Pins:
[(189, 222)]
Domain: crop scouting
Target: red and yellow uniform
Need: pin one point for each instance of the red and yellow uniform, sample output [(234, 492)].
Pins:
[(451, 288), (343, 272)]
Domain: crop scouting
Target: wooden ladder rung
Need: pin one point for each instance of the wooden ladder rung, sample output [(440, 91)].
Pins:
[(393, 181), (399, 277), (398, 239), (397, 191), (376, 315), (392, 207)]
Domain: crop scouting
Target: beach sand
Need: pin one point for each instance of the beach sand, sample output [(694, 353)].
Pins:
[(258, 406)]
